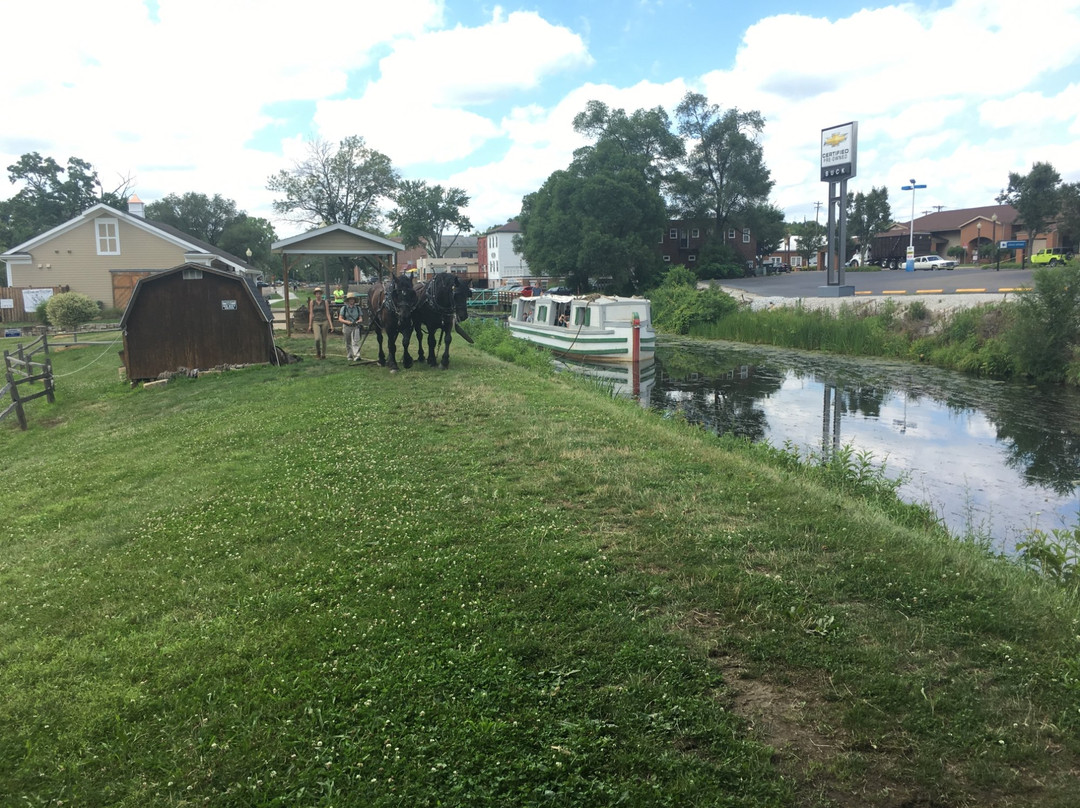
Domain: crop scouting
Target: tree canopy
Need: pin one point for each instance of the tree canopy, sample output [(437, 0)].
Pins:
[(51, 195), (811, 238), (347, 184), (1036, 197), (725, 170), (196, 214), (595, 222), (867, 215), (425, 213)]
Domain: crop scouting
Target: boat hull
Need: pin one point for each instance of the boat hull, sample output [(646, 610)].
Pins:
[(594, 345)]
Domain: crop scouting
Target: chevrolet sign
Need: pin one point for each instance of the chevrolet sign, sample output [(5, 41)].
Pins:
[(838, 152)]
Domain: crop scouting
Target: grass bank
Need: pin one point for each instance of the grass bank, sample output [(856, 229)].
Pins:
[(329, 585)]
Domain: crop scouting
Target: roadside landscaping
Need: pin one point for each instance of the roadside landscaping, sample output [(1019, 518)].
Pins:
[(329, 585)]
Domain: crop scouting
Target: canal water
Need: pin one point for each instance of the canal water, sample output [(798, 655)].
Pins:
[(992, 459)]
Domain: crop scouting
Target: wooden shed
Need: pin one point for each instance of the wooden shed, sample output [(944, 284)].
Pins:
[(194, 317)]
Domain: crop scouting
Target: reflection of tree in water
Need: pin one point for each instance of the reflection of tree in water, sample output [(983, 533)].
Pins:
[(721, 397), (1041, 442), (719, 386)]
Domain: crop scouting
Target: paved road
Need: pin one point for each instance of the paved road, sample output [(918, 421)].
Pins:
[(894, 282)]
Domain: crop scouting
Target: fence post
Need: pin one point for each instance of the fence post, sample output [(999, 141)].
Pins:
[(19, 413), (49, 395)]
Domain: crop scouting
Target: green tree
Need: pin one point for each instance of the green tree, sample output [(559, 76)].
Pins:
[(347, 184), (725, 170), (1069, 225), (811, 239), (51, 195), (595, 221), (867, 215), (425, 213), (644, 133), (249, 233), (196, 214), (1036, 197), (766, 223), (70, 310)]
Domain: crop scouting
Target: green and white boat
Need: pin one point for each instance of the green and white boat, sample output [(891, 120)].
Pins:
[(594, 328)]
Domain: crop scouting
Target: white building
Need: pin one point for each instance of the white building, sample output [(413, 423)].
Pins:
[(498, 258)]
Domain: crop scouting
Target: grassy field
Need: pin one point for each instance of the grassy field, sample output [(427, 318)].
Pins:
[(325, 585)]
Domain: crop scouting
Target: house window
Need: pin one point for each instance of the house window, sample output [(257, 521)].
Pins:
[(192, 274), (673, 233), (691, 258), (661, 241), (695, 233), (731, 233), (667, 259), (746, 235), (108, 236)]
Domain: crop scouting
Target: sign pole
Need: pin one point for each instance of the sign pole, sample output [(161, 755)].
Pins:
[(838, 164)]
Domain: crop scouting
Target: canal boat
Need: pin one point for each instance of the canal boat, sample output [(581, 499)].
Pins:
[(594, 328)]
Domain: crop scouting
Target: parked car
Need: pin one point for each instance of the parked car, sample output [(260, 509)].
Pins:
[(934, 262), (1051, 257)]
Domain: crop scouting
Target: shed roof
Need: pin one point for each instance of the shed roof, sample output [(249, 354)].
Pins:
[(243, 282)]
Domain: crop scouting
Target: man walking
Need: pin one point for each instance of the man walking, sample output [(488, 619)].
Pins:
[(349, 316)]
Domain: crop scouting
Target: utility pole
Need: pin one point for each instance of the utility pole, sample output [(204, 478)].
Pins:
[(817, 209)]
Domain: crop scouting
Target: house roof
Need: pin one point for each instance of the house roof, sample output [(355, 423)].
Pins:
[(244, 282), (169, 233), (955, 219), (512, 226)]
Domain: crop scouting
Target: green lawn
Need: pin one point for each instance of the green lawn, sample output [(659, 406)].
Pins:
[(333, 586)]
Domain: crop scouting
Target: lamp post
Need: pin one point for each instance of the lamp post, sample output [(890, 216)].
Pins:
[(911, 238), (978, 240), (997, 247)]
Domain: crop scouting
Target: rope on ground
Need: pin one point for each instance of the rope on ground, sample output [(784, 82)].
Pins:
[(88, 364)]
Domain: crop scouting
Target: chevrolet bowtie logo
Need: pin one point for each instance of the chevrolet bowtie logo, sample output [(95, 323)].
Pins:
[(835, 140)]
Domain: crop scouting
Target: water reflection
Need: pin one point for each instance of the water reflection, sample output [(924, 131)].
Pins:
[(633, 380), (989, 457)]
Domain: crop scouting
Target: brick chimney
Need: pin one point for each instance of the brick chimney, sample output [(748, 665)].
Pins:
[(135, 207)]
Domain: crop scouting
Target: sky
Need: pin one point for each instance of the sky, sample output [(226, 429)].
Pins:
[(216, 96)]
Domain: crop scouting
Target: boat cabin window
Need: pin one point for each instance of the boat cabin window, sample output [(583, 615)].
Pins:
[(542, 316), (583, 316)]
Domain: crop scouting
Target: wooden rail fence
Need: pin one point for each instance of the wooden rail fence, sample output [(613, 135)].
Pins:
[(21, 369)]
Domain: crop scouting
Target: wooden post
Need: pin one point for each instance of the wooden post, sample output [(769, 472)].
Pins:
[(49, 396), (636, 323), (19, 413), (285, 283)]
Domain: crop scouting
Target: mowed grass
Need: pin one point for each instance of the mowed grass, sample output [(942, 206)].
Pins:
[(330, 585)]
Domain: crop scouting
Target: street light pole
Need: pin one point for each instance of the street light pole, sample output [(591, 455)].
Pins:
[(911, 238), (997, 247)]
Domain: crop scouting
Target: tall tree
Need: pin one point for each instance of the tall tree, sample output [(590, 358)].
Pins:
[(1070, 215), (597, 220), (425, 213), (346, 184), (249, 233), (644, 133), (196, 214), (766, 223), (811, 238), (1036, 197), (867, 215), (725, 168), (51, 195)]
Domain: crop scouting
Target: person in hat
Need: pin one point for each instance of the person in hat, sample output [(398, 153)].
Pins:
[(349, 315), (319, 321)]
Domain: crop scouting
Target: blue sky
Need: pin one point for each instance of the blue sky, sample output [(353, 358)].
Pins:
[(215, 96)]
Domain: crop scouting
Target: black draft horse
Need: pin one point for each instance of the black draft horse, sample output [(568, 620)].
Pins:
[(443, 301), (391, 306)]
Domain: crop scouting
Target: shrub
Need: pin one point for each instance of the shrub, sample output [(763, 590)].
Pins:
[(71, 309), (1047, 328), (42, 312), (676, 307)]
